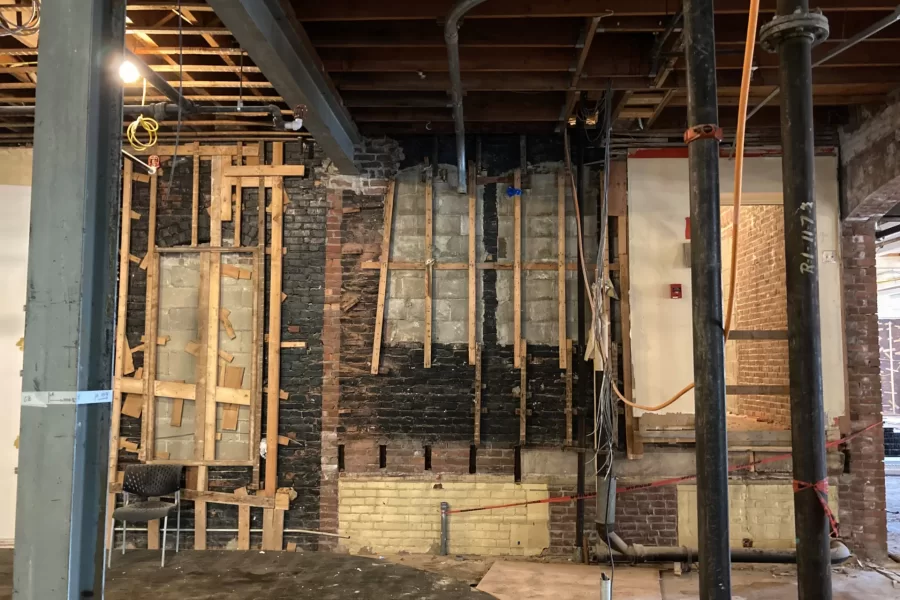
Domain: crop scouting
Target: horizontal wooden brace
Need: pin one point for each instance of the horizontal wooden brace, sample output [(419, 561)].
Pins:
[(265, 171), (494, 266)]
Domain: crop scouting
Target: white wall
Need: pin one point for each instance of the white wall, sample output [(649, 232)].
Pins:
[(15, 202), (661, 334)]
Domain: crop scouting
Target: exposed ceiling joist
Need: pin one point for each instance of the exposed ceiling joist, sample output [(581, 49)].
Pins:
[(280, 48)]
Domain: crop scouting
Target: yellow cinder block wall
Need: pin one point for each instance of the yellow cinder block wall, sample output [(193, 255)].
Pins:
[(763, 513), (389, 515)]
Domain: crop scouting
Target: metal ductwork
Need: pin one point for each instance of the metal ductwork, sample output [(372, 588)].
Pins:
[(451, 37)]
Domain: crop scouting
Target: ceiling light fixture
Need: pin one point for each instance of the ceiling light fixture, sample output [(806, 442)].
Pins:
[(128, 72)]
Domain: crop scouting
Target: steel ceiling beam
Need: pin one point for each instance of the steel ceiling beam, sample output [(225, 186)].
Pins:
[(280, 48)]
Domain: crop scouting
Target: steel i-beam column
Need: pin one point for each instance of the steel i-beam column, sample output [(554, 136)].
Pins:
[(71, 303)]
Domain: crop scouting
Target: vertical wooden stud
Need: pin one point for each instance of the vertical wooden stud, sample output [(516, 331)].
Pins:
[(119, 366), (569, 407), (382, 282), (195, 197), (238, 197), (257, 357), (243, 527), (478, 384), (200, 509), (523, 391), (152, 306), (200, 365), (517, 269), (274, 375), (429, 263), (212, 313), (561, 262), (473, 190)]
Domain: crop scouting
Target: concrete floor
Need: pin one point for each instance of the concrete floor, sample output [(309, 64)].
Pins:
[(323, 576)]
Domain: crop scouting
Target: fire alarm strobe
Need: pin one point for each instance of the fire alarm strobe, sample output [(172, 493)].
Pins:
[(153, 161), (675, 291)]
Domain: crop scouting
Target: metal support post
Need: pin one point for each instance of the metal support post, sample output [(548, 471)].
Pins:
[(70, 307), (792, 34), (703, 137), (445, 528)]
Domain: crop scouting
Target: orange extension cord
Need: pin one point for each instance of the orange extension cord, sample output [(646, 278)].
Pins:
[(738, 188)]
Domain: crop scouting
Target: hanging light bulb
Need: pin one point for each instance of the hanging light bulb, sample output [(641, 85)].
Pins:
[(128, 72)]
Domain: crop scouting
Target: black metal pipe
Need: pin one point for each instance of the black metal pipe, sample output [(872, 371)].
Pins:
[(583, 367), (451, 37), (157, 81), (792, 33), (706, 288), (636, 553)]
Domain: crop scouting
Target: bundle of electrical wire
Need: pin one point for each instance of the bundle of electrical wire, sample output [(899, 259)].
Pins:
[(150, 126), (29, 25)]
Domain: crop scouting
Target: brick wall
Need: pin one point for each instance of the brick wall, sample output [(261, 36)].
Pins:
[(397, 515), (889, 344), (862, 516), (761, 303)]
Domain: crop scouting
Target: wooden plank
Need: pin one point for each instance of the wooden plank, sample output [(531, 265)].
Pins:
[(561, 263), (234, 377), (266, 170), (199, 507), (473, 190), (570, 411), (224, 315), (293, 344), (523, 391), (458, 266), (517, 270), (274, 375), (212, 311), (382, 282), (175, 389), (238, 197), (257, 353), (205, 152), (243, 527), (129, 358), (195, 197), (130, 385), (200, 365), (258, 501), (429, 259), (148, 422), (478, 386), (133, 405), (177, 412), (153, 533), (227, 395)]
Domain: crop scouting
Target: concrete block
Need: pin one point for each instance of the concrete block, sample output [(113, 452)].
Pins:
[(451, 248), (408, 248), (177, 297), (407, 284), (409, 225), (405, 331), (396, 309), (450, 332), (451, 284), (541, 332), (179, 276), (232, 450), (540, 287), (415, 309), (241, 317), (540, 248), (234, 297), (451, 310), (179, 319), (540, 227), (451, 225), (242, 341)]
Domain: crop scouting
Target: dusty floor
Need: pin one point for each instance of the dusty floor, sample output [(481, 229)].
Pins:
[(322, 576), (892, 492)]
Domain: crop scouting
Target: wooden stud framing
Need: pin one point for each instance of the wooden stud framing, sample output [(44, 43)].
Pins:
[(618, 197), (148, 424), (200, 365), (477, 440), (382, 282), (243, 527), (274, 375), (195, 197), (561, 262), (473, 189), (277, 169), (200, 509), (517, 270), (429, 261), (569, 407), (219, 190), (238, 197), (256, 358), (121, 344), (523, 390)]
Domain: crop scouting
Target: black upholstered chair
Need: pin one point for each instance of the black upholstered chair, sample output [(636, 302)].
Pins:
[(145, 482)]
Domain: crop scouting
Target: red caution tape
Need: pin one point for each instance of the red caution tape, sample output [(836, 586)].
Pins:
[(821, 489), (677, 480)]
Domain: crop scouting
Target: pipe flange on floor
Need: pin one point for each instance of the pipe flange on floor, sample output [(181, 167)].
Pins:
[(812, 25)]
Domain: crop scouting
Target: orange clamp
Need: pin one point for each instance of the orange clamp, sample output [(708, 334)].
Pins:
[(699, 132)]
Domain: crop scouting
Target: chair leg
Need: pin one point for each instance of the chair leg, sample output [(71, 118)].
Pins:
[(111, 540), (124, 533), (177, 527), (165, 526)]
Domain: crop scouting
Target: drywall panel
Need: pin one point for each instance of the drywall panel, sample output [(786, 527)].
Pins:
[(15, 201), (661, 334)]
